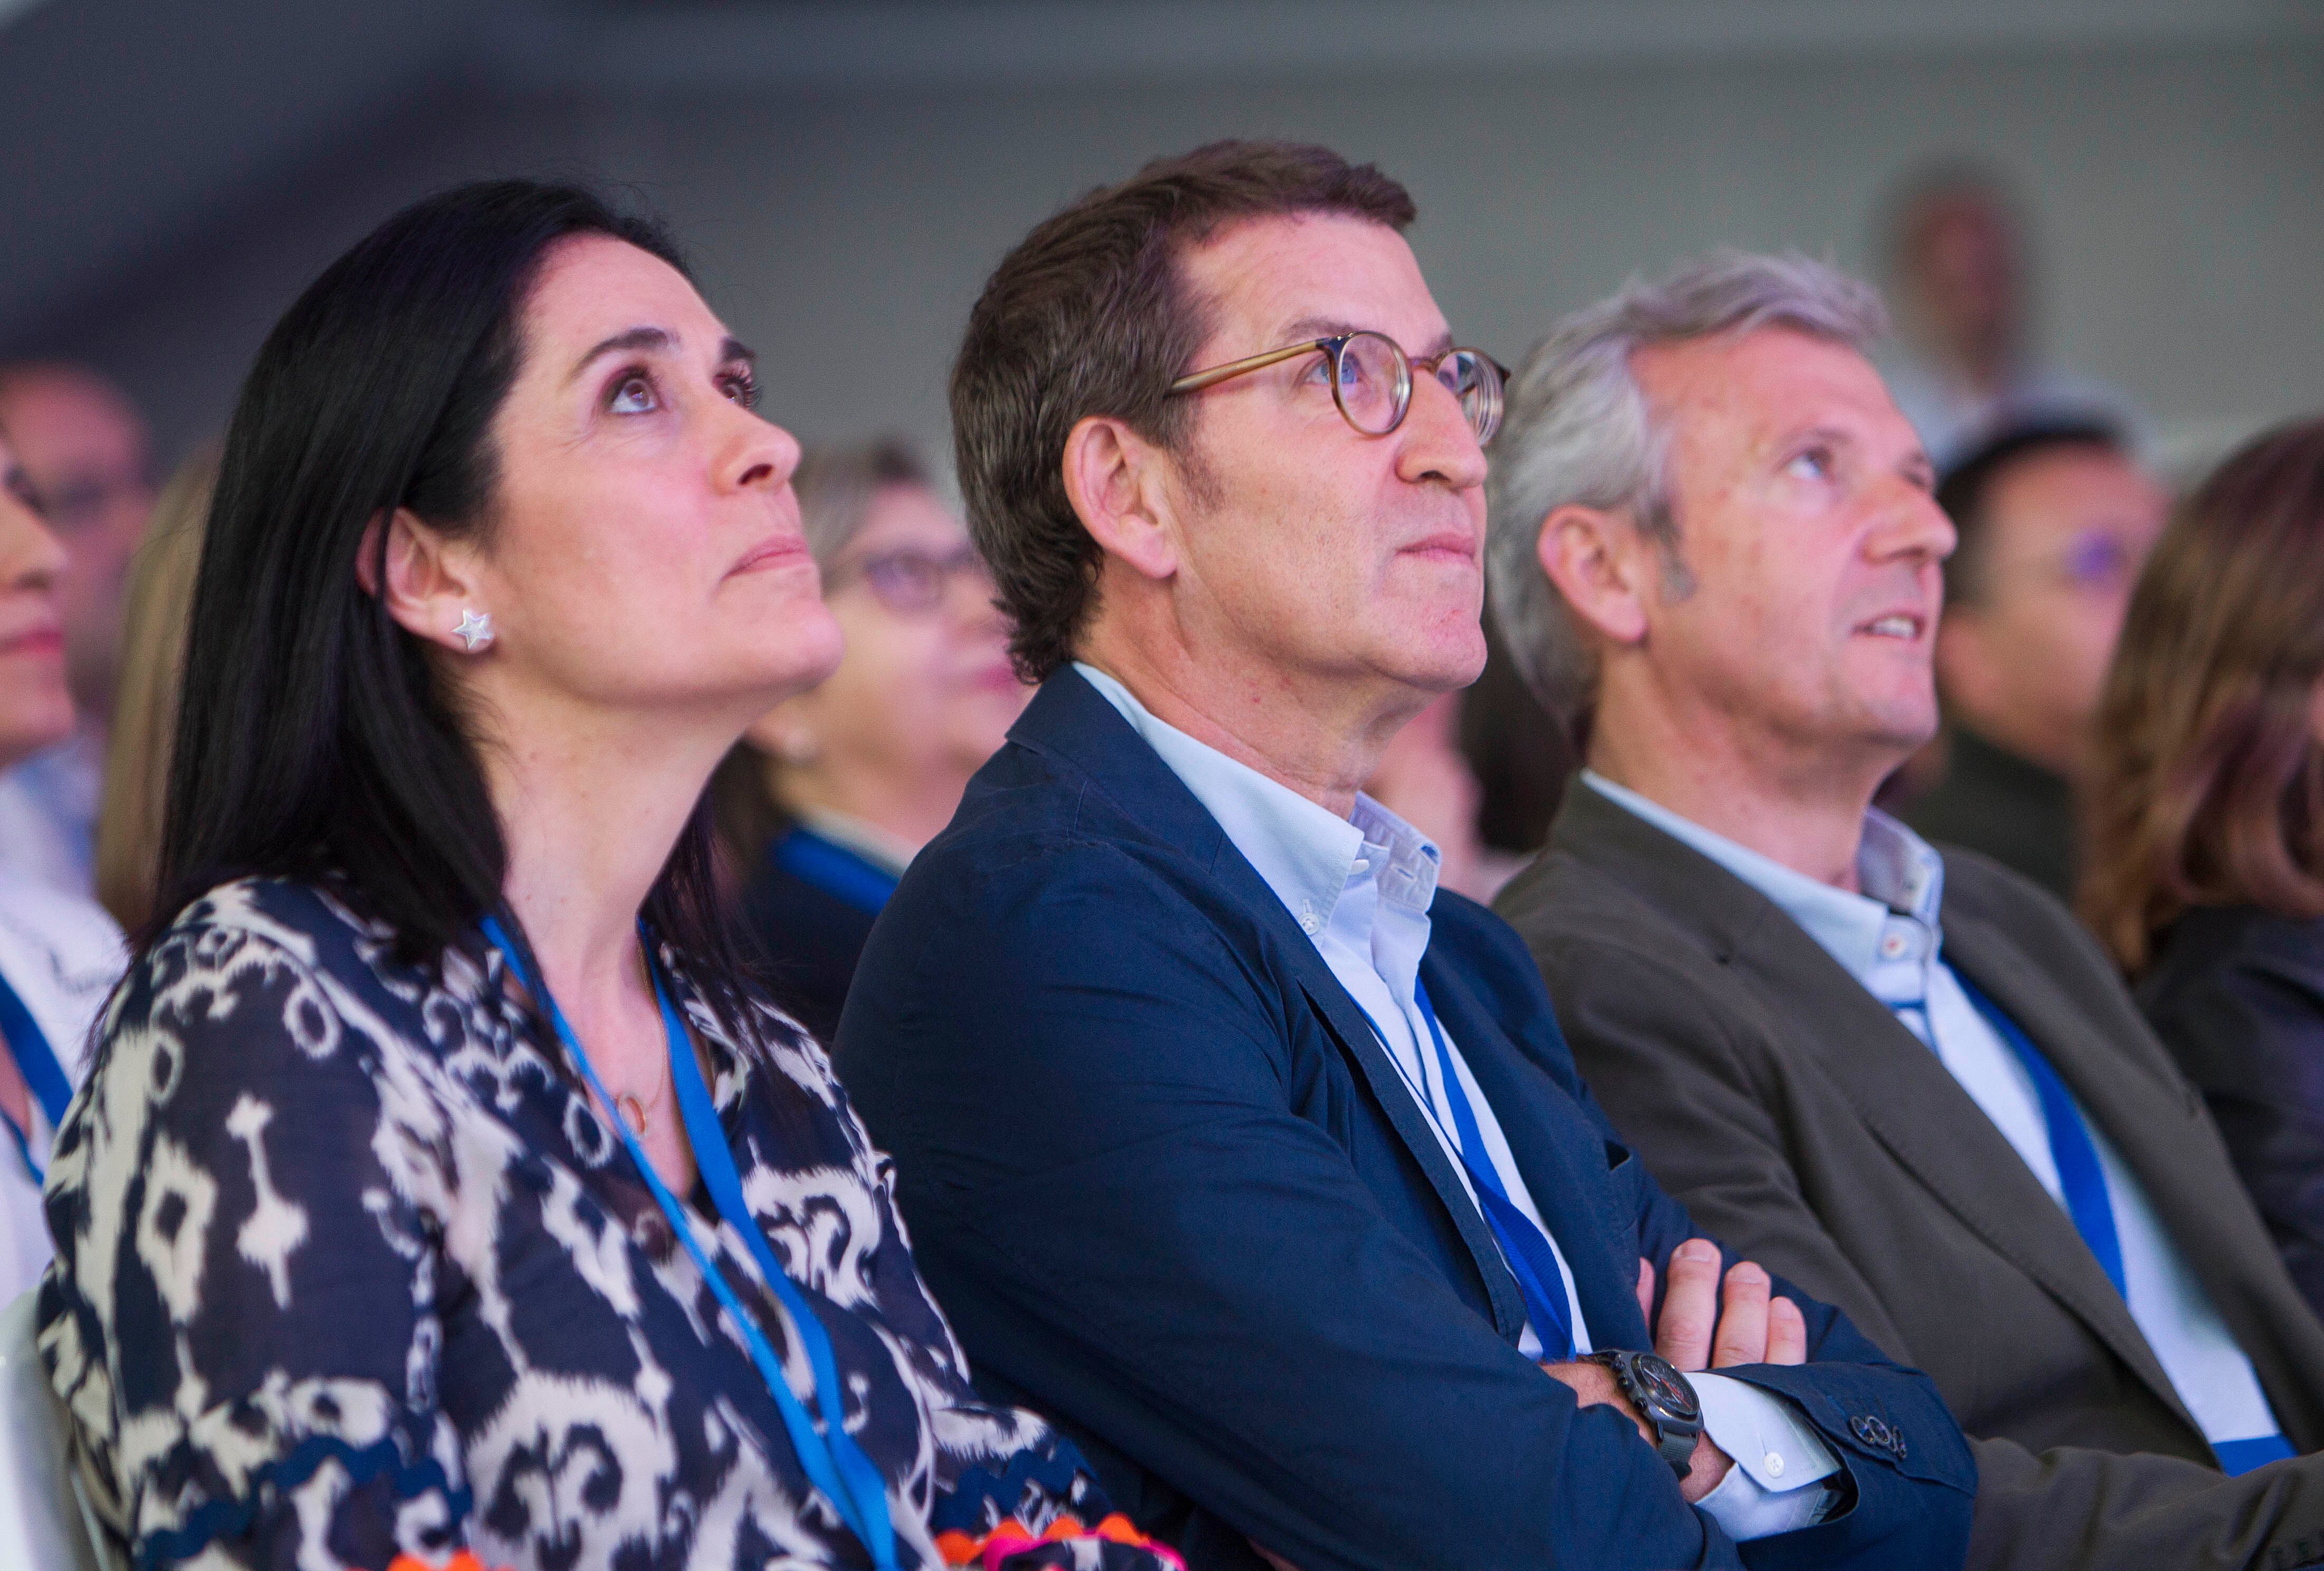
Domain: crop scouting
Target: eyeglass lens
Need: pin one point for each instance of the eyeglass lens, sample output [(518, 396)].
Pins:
[(909, 581), (1374, 385)]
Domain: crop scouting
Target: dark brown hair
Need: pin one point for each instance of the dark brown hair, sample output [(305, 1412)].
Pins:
[(2207, 782), (1091, 315), (1965, 491)]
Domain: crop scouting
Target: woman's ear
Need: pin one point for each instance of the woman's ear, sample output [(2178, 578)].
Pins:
[(426, 582), (1115, 480), (1599, 563)]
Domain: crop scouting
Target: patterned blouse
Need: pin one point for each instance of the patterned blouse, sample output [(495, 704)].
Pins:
[(347, 1268)]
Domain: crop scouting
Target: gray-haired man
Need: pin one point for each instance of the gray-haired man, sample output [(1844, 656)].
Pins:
[(1904, 1080)]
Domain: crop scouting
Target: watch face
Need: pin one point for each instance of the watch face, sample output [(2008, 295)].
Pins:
[(1666, 1387)]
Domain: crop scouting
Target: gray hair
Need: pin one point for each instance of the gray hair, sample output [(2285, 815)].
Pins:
[(837, 485), (1578, 433)]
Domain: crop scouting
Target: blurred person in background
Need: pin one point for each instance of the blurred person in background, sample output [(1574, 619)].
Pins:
[(1967, 358), (1905, 1079), (2054, 522), (59, 954), (146, 706), (400, 1218), (1425, 779), (90, 459), (2206, 826), (827, 799)]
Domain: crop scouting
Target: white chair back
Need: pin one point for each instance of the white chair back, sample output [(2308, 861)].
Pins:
[(42, 1525)]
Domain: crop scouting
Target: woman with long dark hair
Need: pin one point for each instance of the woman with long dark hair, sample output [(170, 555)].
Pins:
[(443, 1186), (2207, 818)]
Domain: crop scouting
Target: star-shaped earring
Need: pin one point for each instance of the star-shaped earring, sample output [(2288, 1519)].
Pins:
[(476, 628)]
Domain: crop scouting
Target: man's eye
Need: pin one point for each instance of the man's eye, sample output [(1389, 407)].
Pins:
[(633, 395), (1815, 464)]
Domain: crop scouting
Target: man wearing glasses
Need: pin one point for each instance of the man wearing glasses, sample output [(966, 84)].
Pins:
[(1225, 1136)]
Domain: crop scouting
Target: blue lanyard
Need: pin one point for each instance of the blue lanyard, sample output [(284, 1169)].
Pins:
[(43, 1076), (834, 1462), (834, 869), (1525, 1249)]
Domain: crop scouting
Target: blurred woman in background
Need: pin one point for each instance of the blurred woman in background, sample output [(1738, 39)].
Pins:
[(831, 793), (2207, 841), (442, 1187), (146, 706), (59, 954)]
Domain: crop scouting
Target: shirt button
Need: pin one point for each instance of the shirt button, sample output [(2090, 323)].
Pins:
[(1775, 1465), (1307, 925)]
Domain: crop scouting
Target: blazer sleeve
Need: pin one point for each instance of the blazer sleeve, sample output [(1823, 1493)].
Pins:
[(1909, 1486), (1661, 1057)]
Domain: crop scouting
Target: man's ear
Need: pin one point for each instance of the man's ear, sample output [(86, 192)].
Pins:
[(1601, 565), (428, 584), (1114, 478)]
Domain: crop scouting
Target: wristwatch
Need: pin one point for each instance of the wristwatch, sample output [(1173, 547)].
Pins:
[(1663, 1398)]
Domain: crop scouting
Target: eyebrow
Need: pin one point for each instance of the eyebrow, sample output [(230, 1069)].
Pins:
[(1333, 327), (657, 338)]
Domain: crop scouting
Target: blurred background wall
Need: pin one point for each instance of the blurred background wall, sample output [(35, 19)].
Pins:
[(846, 174)]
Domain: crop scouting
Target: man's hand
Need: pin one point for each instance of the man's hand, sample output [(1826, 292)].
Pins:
[(1698, 1330)]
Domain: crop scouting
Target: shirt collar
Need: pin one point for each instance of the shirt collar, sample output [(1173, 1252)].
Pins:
[(1900, 874), (1305, 852)]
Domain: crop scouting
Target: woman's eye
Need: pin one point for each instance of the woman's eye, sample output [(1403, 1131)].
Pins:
[(743, 388), (633, 395)]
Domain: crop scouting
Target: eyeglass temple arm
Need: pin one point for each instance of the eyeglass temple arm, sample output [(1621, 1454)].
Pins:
[(1195, 381)]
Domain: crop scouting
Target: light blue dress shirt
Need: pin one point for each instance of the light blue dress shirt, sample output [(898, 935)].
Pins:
[(1360, 889), (1888, 939)]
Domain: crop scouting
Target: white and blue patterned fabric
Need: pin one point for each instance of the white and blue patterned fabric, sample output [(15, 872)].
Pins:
[(349, 1266)]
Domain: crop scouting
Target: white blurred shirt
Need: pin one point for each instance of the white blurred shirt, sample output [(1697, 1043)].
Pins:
[(62, 955)]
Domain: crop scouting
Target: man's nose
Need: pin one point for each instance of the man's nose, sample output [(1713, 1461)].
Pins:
[(1440, 445)]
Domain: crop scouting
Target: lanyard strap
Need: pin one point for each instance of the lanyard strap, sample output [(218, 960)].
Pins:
[(1525, 1249), (44, 1077), (834, 869), (834, 1462), (2071, 1148)]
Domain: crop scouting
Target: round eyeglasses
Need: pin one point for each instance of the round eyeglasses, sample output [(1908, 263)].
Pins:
[(1371, 380)]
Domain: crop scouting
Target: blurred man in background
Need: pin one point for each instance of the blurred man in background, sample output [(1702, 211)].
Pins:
[(87, 455), (2054, 521), (1967, 360)]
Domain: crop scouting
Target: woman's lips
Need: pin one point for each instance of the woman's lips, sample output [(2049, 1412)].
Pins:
[(781, 551), (42, 640)]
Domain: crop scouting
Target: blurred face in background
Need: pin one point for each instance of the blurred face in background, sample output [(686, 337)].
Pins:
[(2022, 659), (1961, 268), (87, 454), (1811, 545), (925, 693), (35, 708)]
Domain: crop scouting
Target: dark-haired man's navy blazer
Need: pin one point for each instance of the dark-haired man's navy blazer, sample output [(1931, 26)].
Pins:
[(1170, 1188)]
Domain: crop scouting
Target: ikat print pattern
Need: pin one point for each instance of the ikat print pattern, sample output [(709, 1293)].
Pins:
[(348, 1268)]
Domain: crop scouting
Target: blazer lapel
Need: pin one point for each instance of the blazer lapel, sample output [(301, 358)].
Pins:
[(1561, 1153), (2116, 1094), (1895, 1084), (1072, 718)]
